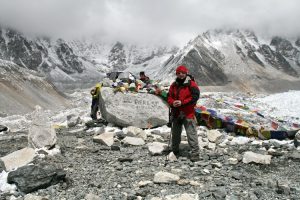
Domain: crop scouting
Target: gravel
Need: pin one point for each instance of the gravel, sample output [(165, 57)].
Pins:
[(115, 173)]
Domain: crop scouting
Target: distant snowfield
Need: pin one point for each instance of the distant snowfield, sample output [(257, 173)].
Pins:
[(285, 104)]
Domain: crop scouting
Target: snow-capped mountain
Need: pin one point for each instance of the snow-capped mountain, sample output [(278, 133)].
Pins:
[(235, 60), (122, 56), (60, 65), (78, 63), (52, 58), (239, 59)]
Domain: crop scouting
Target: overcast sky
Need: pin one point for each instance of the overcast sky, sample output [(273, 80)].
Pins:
[(175, 21)]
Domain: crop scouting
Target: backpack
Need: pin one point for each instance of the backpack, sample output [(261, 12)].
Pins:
[(189, 83)]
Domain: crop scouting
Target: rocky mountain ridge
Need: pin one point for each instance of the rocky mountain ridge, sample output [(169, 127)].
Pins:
[(22, 89), (60, 66), (240, 58), (122, 56), (53, 59), (75, 63), (236, 58)]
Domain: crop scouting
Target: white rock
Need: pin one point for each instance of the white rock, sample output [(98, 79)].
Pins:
[(156, 198), (133, 141), (79, 129), (171, 157), (165, 177), (137, 132), (271, 151), (157, 148), (144, 183), (183, 196), (256, 158), (17, 159), (211, 146), (217, 164), (257, 142), (157, 138), (50, 152), (91, 196), (214, 136), (233, 161), (195, 183), (222, 145), (105, 139), (230, 138), (34, 197), (239, 140)]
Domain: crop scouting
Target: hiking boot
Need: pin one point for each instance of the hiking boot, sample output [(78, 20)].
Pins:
[(194, 157)]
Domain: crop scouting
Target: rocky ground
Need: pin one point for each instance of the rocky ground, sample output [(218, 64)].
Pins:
[(96, 171)]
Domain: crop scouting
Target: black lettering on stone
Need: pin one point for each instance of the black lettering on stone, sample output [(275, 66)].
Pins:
[(127, 100), (138, 102)]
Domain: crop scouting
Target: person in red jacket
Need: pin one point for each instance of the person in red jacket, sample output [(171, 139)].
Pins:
[(182, 98)]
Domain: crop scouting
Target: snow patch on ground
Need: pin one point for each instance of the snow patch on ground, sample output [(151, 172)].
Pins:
[(4, 186)]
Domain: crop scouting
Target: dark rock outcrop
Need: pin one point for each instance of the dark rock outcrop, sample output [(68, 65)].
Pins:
[(33, 177), (277, 60), (117, 57), (35, 54), (204, 67)]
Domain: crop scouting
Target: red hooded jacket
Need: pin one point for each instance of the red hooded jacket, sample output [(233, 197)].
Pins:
[(188, 93)]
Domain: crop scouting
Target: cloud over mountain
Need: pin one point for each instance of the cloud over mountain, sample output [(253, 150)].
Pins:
[(148, 21)]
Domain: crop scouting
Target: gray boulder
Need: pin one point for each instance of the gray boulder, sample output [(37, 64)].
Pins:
[(33, 177), (42, 136), (41, 132), (141, 110), (72, 120)]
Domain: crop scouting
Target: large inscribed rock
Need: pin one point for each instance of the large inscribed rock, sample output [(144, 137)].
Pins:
[(141, 110)]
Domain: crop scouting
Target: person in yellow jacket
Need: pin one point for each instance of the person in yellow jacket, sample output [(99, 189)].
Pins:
[(95, 100)]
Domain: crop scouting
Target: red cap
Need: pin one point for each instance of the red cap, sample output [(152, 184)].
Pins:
[(182, 69)]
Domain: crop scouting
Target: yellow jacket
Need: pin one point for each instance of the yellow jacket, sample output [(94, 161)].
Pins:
[(96, 90)]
